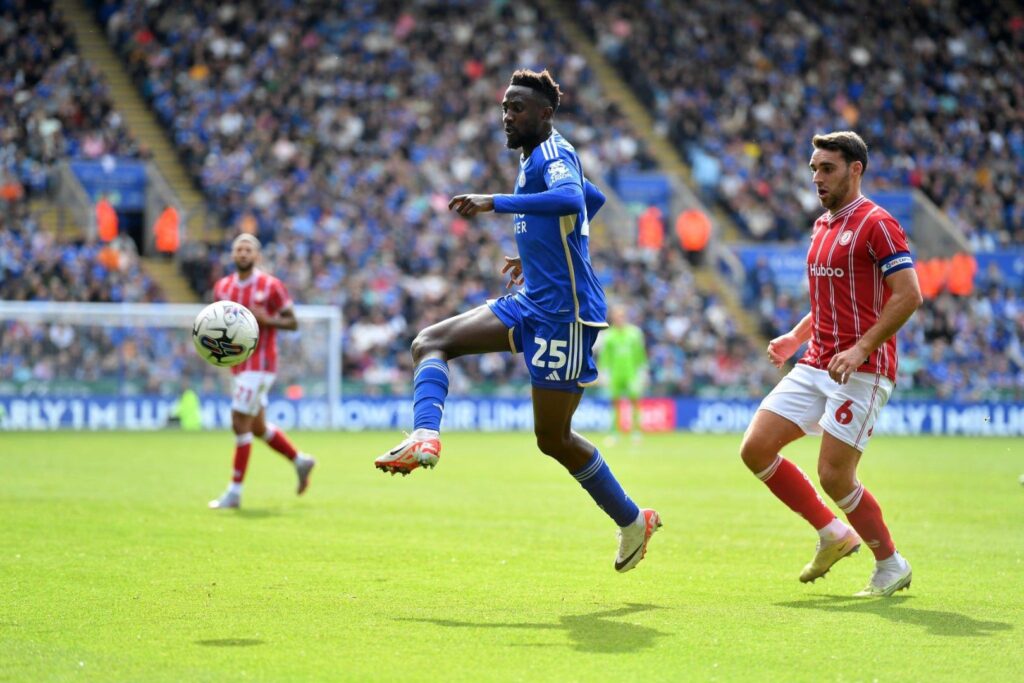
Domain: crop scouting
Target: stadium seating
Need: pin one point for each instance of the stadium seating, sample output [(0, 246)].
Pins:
[(744, 120), (54, 106), (741, 87), (345, 173)]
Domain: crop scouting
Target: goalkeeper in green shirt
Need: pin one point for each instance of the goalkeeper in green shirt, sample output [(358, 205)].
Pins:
[(622, 359)]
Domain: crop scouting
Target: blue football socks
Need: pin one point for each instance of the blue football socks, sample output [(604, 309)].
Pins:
[(604, 488), (429, 390)]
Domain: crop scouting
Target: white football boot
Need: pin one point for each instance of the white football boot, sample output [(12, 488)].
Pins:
[(303, 466), (633, 539), (890, 575), (417, 450), (229, 501)]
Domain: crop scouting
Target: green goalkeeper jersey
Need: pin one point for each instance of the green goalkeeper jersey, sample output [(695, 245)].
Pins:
[(623, 354)]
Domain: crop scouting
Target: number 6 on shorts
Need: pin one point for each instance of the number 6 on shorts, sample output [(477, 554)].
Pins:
[(844, 415)]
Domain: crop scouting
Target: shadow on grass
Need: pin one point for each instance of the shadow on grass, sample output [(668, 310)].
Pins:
[(230, 642), (937, 622), (597, 632)]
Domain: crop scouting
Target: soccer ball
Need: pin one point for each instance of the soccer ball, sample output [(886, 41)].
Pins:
[(225, 333)]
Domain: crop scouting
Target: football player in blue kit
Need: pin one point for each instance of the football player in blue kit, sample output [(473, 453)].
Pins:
[(553, 320)]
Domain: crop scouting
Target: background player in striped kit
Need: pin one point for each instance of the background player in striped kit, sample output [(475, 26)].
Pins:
[(863, 288), (268, 299), (554, 320)]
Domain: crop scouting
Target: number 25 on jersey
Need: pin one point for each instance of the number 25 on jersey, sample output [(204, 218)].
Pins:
[(555, 352)]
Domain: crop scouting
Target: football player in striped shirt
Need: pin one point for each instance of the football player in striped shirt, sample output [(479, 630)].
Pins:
[(862, 288), (553, 320), (268, 299)]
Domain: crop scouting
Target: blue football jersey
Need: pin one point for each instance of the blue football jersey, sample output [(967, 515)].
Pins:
[(560, 284)]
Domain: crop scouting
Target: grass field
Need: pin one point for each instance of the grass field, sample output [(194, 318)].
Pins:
[(495, 566)]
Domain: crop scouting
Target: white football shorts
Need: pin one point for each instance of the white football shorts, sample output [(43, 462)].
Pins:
[(816, 403), (250, 390)]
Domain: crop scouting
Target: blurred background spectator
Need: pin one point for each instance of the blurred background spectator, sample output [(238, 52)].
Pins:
[(337, 133), (740, 87)]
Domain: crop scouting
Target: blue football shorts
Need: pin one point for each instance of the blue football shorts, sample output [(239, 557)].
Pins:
[(558, 355)]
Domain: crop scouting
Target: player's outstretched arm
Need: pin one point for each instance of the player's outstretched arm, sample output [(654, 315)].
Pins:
[(781, 348), (558, 201), (561, 200), (593, 197), (904, 300), (469, 205)]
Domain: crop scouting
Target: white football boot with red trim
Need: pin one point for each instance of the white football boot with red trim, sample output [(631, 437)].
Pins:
[(417, 450), (633, 539)]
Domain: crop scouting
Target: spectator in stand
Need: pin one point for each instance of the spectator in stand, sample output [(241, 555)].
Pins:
[(344, 174), (983, 331), (940, 104), (53, 104)]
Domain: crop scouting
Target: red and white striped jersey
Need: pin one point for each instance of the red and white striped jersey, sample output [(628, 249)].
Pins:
[(260, 291), (851, 254)]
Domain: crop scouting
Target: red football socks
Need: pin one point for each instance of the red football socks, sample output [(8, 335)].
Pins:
[(865, 515), (277, 440), (792, 487), (243, 446)]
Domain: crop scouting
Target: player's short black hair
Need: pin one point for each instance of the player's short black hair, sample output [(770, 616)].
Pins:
[(849, 143), (541, 82)]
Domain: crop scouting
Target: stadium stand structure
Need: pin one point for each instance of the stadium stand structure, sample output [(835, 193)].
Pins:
[(363, 222), (744, 119), (346, 173), (940, 105), (137, 116), (708, 276)]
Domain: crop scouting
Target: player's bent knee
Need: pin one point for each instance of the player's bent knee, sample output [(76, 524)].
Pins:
[(552, 444), (426, 342), (837, 483), (755, 455)]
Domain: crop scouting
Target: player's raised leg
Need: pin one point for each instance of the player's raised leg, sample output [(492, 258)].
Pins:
[(837, 471), (276, 438), (552, 414), (472, 332), (767, 435)]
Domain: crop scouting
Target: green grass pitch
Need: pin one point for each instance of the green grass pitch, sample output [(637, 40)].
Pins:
[(494, 566)]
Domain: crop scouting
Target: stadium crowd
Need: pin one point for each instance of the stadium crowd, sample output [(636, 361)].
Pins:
[(54, 106), (964, 348), (741, 86), (345, 174)]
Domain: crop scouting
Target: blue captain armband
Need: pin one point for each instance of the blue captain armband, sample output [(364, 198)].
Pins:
[(897, 261)]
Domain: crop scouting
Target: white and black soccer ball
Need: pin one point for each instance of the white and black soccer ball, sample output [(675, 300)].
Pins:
[(225, 333)]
